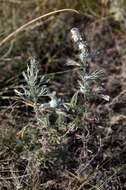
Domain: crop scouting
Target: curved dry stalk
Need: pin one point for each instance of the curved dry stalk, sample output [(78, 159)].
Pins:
[(20, 29)]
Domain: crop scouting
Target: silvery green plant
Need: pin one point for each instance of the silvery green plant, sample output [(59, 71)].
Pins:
[(36, 88), (86, 79)]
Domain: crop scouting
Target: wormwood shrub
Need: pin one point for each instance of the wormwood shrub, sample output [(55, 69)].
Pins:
[(66, 115)]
